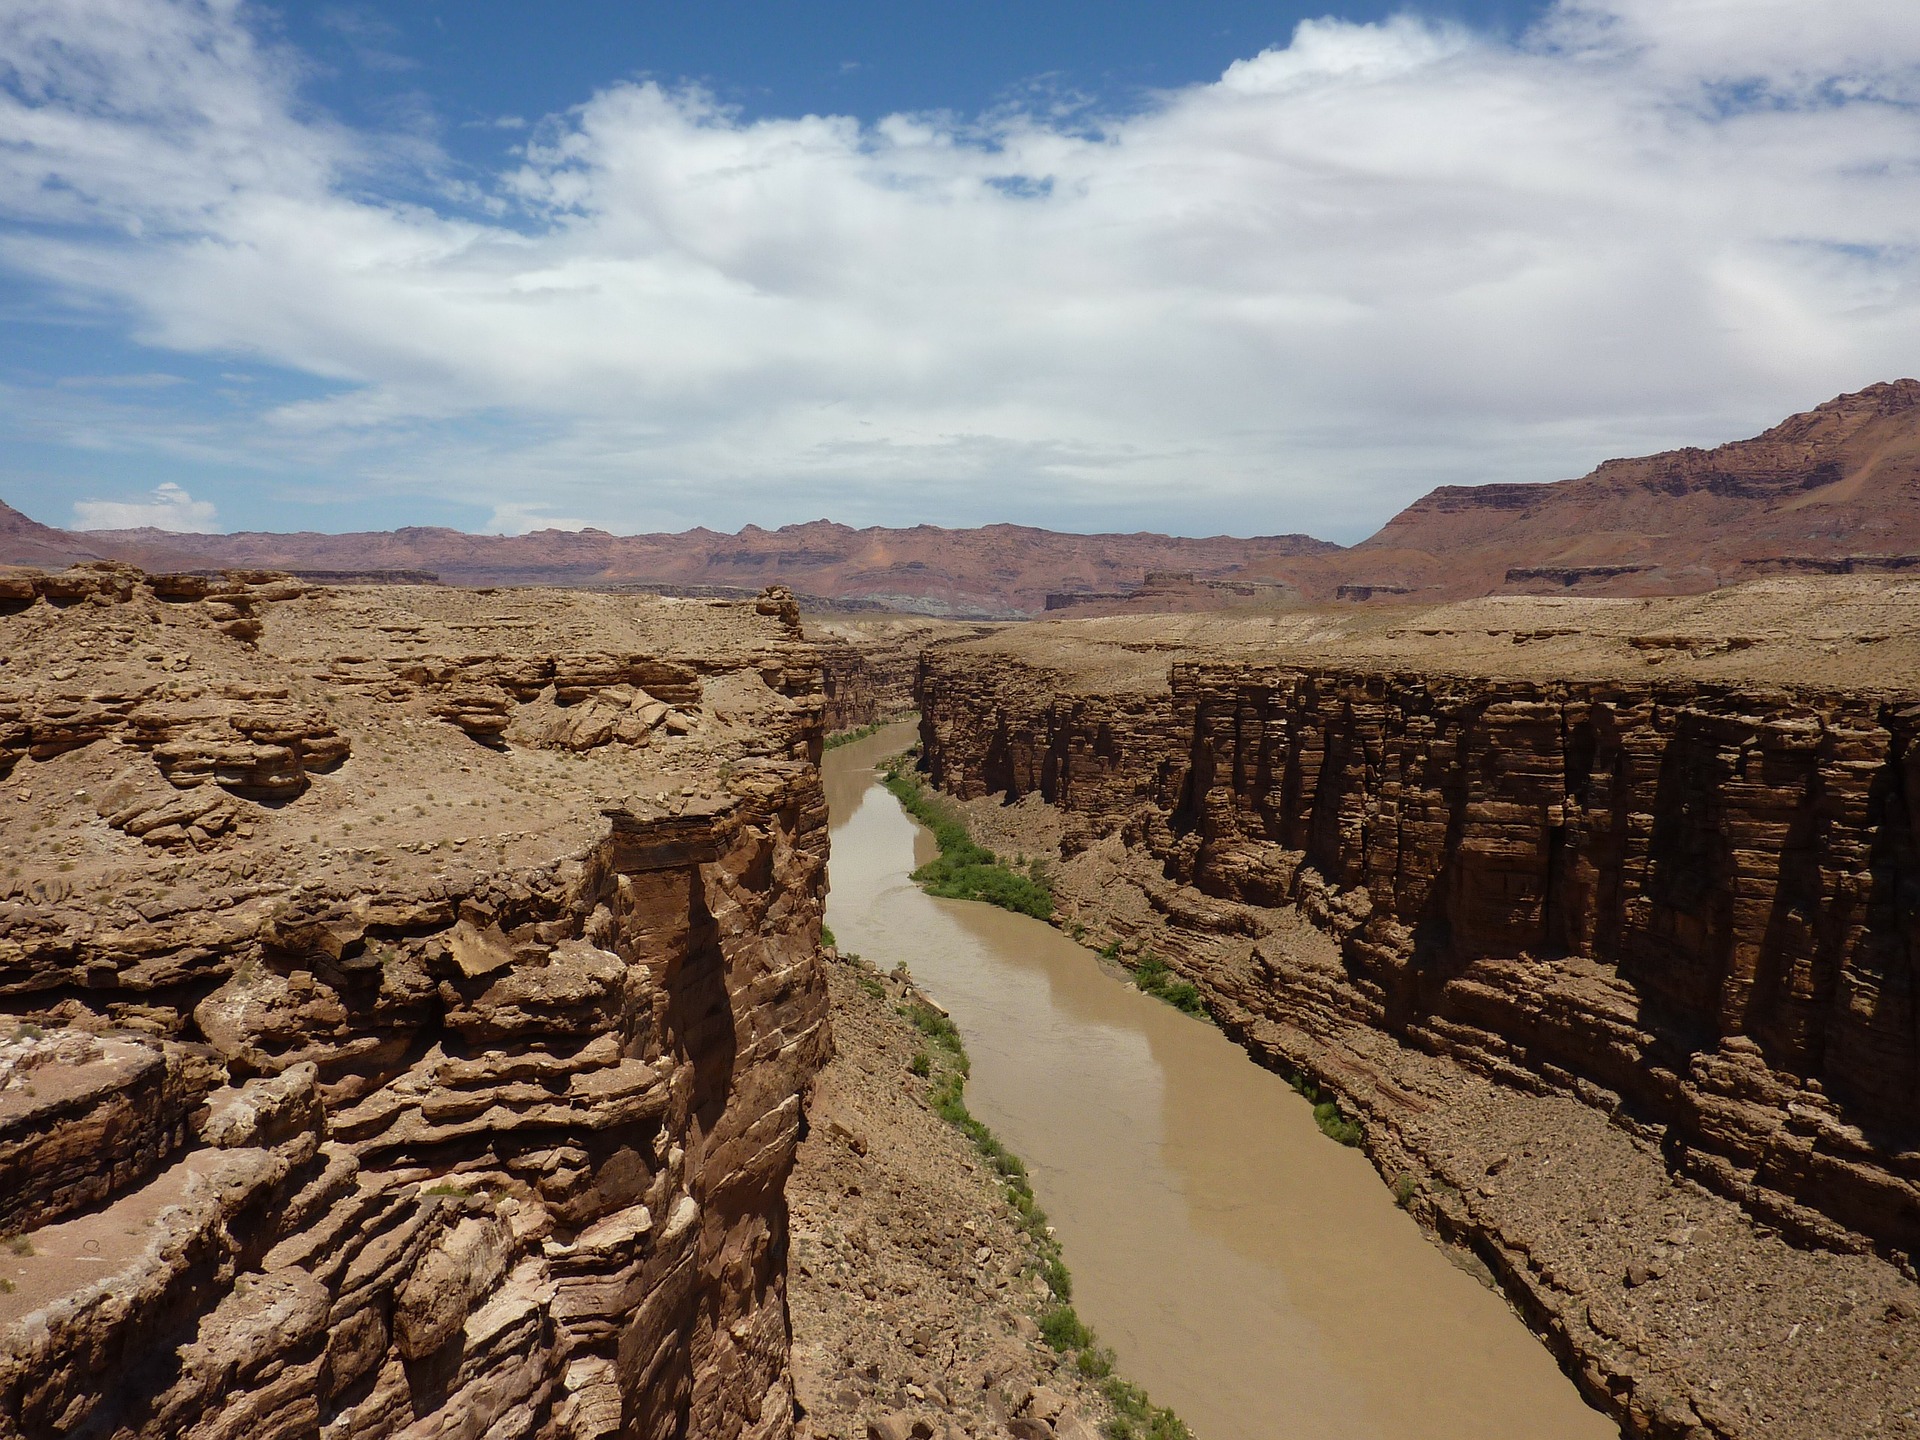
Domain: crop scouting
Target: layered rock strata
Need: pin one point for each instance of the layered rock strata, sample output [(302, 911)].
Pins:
[(868, 664), (1620, 968), (447, 1084)]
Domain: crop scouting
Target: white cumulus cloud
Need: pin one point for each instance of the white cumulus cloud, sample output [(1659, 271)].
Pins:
[(1381, 257), (168, 508)]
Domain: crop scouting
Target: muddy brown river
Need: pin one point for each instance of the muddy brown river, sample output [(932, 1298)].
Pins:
[(1250, 1273)]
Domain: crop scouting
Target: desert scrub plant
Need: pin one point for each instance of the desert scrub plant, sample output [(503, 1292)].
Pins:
[(921, 1064), (964, 869), (1334, 1125), (1063, 1329), (1405, 1187), (826, 937), (1155, 979), (1135, 1417)]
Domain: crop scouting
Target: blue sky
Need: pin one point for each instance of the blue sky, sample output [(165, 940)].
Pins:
[(1199, 268), (466, 63)]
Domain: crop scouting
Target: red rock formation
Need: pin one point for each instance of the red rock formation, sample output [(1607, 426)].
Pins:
[(1742, 868), (1684, 912), (385, 1135), (1833, 490)]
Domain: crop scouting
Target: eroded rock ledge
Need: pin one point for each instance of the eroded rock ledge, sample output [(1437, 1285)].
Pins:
[(409, 996), (1619, 970)]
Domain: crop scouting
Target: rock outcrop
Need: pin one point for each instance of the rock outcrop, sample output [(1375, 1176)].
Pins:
[(868, 664), (1491, 896), (444, 1076)]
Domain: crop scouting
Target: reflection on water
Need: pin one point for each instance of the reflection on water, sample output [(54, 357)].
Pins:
[(1250, 1273)]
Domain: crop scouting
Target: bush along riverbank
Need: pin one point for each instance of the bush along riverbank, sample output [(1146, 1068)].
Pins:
[(945, 1065), (965, 870), (1152, 976)]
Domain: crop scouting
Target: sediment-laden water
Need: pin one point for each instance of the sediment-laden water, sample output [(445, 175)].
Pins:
[(1252, 1274)]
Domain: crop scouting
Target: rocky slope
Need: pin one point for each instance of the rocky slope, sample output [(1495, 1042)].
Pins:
[(914, 1286), (1603, 916), (410, 996)]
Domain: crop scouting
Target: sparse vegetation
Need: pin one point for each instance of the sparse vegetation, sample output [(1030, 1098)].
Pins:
[(1135, 1416), (1154, 978), (1405, 1187), (826, 938), (965, 870), (1333, 1122), (20, 1245)]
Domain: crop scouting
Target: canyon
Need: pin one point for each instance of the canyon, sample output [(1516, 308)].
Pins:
[(414, 1011), (1600, 916), (410, 999)]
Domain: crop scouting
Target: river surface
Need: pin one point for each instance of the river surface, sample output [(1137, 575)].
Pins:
[(1251, 1273)]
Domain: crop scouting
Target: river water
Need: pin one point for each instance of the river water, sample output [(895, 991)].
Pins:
[(1250, 1273)]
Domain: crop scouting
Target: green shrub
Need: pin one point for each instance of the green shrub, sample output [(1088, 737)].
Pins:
[(921, 1064), (1138, 1418), (1334, 1125), (826, 938), (965, 870), (1154, 978), (1062, 1329), (1095, 1362), (1405, 1187)]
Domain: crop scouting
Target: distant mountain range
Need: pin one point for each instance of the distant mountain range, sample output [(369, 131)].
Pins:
[(1833, 490)]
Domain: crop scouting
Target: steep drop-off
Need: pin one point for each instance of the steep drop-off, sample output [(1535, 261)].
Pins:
[(1614, 951), (410, 997)]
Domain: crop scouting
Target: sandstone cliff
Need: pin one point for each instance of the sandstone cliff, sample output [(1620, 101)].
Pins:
[(1606, 927), (868, 664), (410, 999)]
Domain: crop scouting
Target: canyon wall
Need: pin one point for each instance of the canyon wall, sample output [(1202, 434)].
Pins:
[(411, 998), (868, 664), (1696, 902), (1618, 972)]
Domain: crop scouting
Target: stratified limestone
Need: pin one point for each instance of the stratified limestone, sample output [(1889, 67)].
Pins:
[(1622, 970), (450, 1090)]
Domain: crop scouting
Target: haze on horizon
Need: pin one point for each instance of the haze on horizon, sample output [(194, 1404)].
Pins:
[(1245, 269)]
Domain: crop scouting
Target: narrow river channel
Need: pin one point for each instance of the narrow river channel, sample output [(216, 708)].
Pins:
[(1251, 1273)]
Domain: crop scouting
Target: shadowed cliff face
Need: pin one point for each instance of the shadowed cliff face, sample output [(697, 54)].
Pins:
[(1618, 971), (408, 1010), (1699, 899)]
